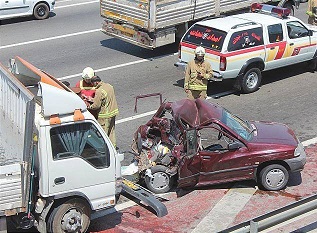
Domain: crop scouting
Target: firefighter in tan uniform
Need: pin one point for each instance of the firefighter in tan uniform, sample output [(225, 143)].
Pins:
[(105, 100), (197, 73), (312, 12)]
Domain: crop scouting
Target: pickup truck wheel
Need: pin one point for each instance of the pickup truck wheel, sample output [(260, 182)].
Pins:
[(251, 80), (71, 216), (160, 182), (274, 177), (41, 11)]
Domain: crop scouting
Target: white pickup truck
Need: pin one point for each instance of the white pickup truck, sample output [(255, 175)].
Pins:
[(241, 46), (57, 165)]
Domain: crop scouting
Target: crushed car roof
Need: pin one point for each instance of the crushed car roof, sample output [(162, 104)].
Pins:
[(196, 112)]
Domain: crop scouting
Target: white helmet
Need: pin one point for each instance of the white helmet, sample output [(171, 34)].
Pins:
[(200, 51), (88, 73)]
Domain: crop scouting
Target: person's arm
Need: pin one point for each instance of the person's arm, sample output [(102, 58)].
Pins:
[(209, 72), (187, 75), (97, 100)]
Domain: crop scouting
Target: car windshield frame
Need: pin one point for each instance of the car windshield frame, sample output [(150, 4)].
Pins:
[(238, 125), (208, 37)]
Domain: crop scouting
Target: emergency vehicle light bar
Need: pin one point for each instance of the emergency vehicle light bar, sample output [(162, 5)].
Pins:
[(272, 10)]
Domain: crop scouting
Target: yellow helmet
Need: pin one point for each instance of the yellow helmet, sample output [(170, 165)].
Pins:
[(200, 51), (88, 73)]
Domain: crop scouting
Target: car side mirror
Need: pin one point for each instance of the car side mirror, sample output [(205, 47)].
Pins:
[(310, 32), (235, 145), (191, 142)]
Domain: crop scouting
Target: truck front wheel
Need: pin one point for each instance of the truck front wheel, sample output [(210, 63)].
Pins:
[(71, 216), (251, 80)]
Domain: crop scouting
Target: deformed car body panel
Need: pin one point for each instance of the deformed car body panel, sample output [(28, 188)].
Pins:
[(227, 148)]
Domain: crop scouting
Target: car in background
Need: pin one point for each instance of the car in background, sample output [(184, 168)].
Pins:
[(198, 143), (40, 9)]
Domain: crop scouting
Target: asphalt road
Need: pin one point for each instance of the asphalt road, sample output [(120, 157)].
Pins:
[(70, 40)]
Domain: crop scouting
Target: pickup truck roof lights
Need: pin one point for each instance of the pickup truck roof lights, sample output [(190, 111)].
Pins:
[(272, 10)]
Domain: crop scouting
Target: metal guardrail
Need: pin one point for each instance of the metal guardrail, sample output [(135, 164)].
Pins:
[(275, 217)]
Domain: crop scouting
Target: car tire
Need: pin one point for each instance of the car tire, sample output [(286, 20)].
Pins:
[(274, 177), (312, 65), (71, 216), (251, 80), (41, 11), (161, 182)]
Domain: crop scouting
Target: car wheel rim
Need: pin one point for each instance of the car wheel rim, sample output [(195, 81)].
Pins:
[(160, 180), (252, 80), (41, 11), (71, 221), (275, 178)]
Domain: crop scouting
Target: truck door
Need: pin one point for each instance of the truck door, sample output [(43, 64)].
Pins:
[(81, 161), (223, 158), (276, 48), (9, 7), (299, 46)]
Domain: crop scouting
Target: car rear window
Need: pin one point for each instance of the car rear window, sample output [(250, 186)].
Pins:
[(205, 36)]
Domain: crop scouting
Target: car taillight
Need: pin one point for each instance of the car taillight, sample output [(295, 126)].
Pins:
[(223, 63)]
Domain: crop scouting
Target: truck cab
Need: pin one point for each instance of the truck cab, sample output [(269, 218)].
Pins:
[(242, 46)]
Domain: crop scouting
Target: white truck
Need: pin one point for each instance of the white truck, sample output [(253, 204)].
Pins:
[(154, 23), (57, 165), (40, 9)]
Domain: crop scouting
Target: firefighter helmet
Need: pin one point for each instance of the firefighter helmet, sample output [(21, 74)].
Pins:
[(200, 51), (88, 73)]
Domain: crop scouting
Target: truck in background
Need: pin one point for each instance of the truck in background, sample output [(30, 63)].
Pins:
[(57, 165), (154, 23)]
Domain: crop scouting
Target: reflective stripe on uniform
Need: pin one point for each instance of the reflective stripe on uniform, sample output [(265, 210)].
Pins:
[(109, 114), (85, 88), (197, 87)]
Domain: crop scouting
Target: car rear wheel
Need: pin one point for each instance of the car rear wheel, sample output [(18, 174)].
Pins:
[(160, 182), (41, 11), (251, 80), (274, 177)]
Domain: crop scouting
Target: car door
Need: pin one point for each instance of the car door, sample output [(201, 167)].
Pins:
[(223, 157), (12, 7), (276, 47), (299, 47), (189, 165)]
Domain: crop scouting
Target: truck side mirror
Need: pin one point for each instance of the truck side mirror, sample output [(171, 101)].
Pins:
[(191, 142), (235, 145)]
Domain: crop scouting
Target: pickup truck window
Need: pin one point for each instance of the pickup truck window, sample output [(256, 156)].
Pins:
[(205, 36), (275, 32), (80, 140), (296, 30), (245, 39)]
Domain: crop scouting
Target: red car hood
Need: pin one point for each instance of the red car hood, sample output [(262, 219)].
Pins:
[(273, 133)]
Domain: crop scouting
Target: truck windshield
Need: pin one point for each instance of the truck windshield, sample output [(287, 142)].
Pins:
[(207, 37), (239, 126)]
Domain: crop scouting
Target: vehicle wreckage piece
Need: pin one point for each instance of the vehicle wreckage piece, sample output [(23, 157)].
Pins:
[(200, 143)]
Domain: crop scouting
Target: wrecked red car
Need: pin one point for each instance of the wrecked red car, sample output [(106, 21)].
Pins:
[(194, 143)]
